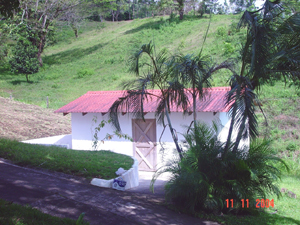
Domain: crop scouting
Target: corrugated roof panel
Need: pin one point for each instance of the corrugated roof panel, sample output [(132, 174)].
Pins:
[(101, 101)]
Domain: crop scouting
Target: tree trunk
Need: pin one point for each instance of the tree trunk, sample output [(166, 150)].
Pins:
[(194, 108), (75, 30), (181, 12), (238, 139), (40, 49), (230, 132), (175, 139), (27, 78), (39, 56), (194, 103), (133, 11)]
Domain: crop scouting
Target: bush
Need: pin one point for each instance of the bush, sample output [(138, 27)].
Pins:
[(228, 49), (84, 72), (25, 59), (204, 179), (291, 146), (221, 31)]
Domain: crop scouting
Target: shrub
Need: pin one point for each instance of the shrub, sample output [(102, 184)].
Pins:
[(24, 60), (203, 180), (228, 48), (84, 72), (291, 146), (221, 31)]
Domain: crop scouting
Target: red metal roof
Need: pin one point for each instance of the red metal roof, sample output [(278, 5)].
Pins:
[(101, 101)]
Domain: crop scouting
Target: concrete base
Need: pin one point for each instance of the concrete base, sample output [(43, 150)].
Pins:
[(131, 176), (64, 141)]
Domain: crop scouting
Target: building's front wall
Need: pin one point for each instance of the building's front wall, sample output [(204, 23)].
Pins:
[(83, 130)]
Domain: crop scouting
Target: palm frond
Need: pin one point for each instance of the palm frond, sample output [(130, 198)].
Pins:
[(133, 101), (240, 99)]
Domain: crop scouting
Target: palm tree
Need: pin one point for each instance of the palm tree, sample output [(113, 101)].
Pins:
[(195, 74), (151, 72), (176, 77), (271, 51)]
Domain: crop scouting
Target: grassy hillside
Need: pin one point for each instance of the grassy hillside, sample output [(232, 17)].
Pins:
[(97, 60), (20, 121)]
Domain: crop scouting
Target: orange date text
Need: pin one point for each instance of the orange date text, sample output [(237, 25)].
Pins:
[(260, 203)]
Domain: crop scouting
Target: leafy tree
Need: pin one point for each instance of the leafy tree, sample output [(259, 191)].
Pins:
[(24, 60), (100, 8), (166, 5), (8, 8), (180, 7), (238, 6), (40, 16), (202, 8)]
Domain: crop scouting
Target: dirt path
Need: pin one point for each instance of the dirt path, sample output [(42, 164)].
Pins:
[(22, 121)]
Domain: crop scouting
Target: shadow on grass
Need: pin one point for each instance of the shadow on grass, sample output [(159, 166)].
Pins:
[(17, 82), (157, 25), (70, 55)]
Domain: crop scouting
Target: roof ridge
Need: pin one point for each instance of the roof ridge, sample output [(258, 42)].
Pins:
[(120, 91)]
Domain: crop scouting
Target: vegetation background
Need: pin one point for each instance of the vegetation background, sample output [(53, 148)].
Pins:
[(97, 60)]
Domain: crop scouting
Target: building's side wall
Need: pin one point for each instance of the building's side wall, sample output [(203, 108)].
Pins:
[(83, 129)]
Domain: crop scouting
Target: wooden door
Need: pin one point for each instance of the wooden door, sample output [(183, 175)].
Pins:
[(144, 146)]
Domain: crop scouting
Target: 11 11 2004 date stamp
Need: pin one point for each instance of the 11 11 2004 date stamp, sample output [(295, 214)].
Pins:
[(260, 203)]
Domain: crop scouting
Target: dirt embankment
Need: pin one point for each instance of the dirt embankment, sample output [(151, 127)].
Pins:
[(22, 121)]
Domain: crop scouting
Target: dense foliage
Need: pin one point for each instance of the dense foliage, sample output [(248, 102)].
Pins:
[(210, 171), (203, 180)]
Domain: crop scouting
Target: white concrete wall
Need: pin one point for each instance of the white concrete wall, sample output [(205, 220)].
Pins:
[(64, 141), (83, 129)]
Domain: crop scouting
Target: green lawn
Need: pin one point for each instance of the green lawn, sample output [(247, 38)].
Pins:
[(14, 214), (88, 164)]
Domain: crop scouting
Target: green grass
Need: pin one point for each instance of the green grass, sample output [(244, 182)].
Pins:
[(281, 106), (97, 59), (88, 164), (14, 214)]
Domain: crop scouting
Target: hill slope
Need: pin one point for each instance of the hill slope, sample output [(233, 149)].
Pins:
[(21, 121), (97, 60)]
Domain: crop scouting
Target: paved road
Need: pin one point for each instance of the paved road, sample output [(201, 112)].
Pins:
[(66, 196)]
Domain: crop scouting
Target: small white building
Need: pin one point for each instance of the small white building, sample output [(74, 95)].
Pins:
[(147, 135)]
